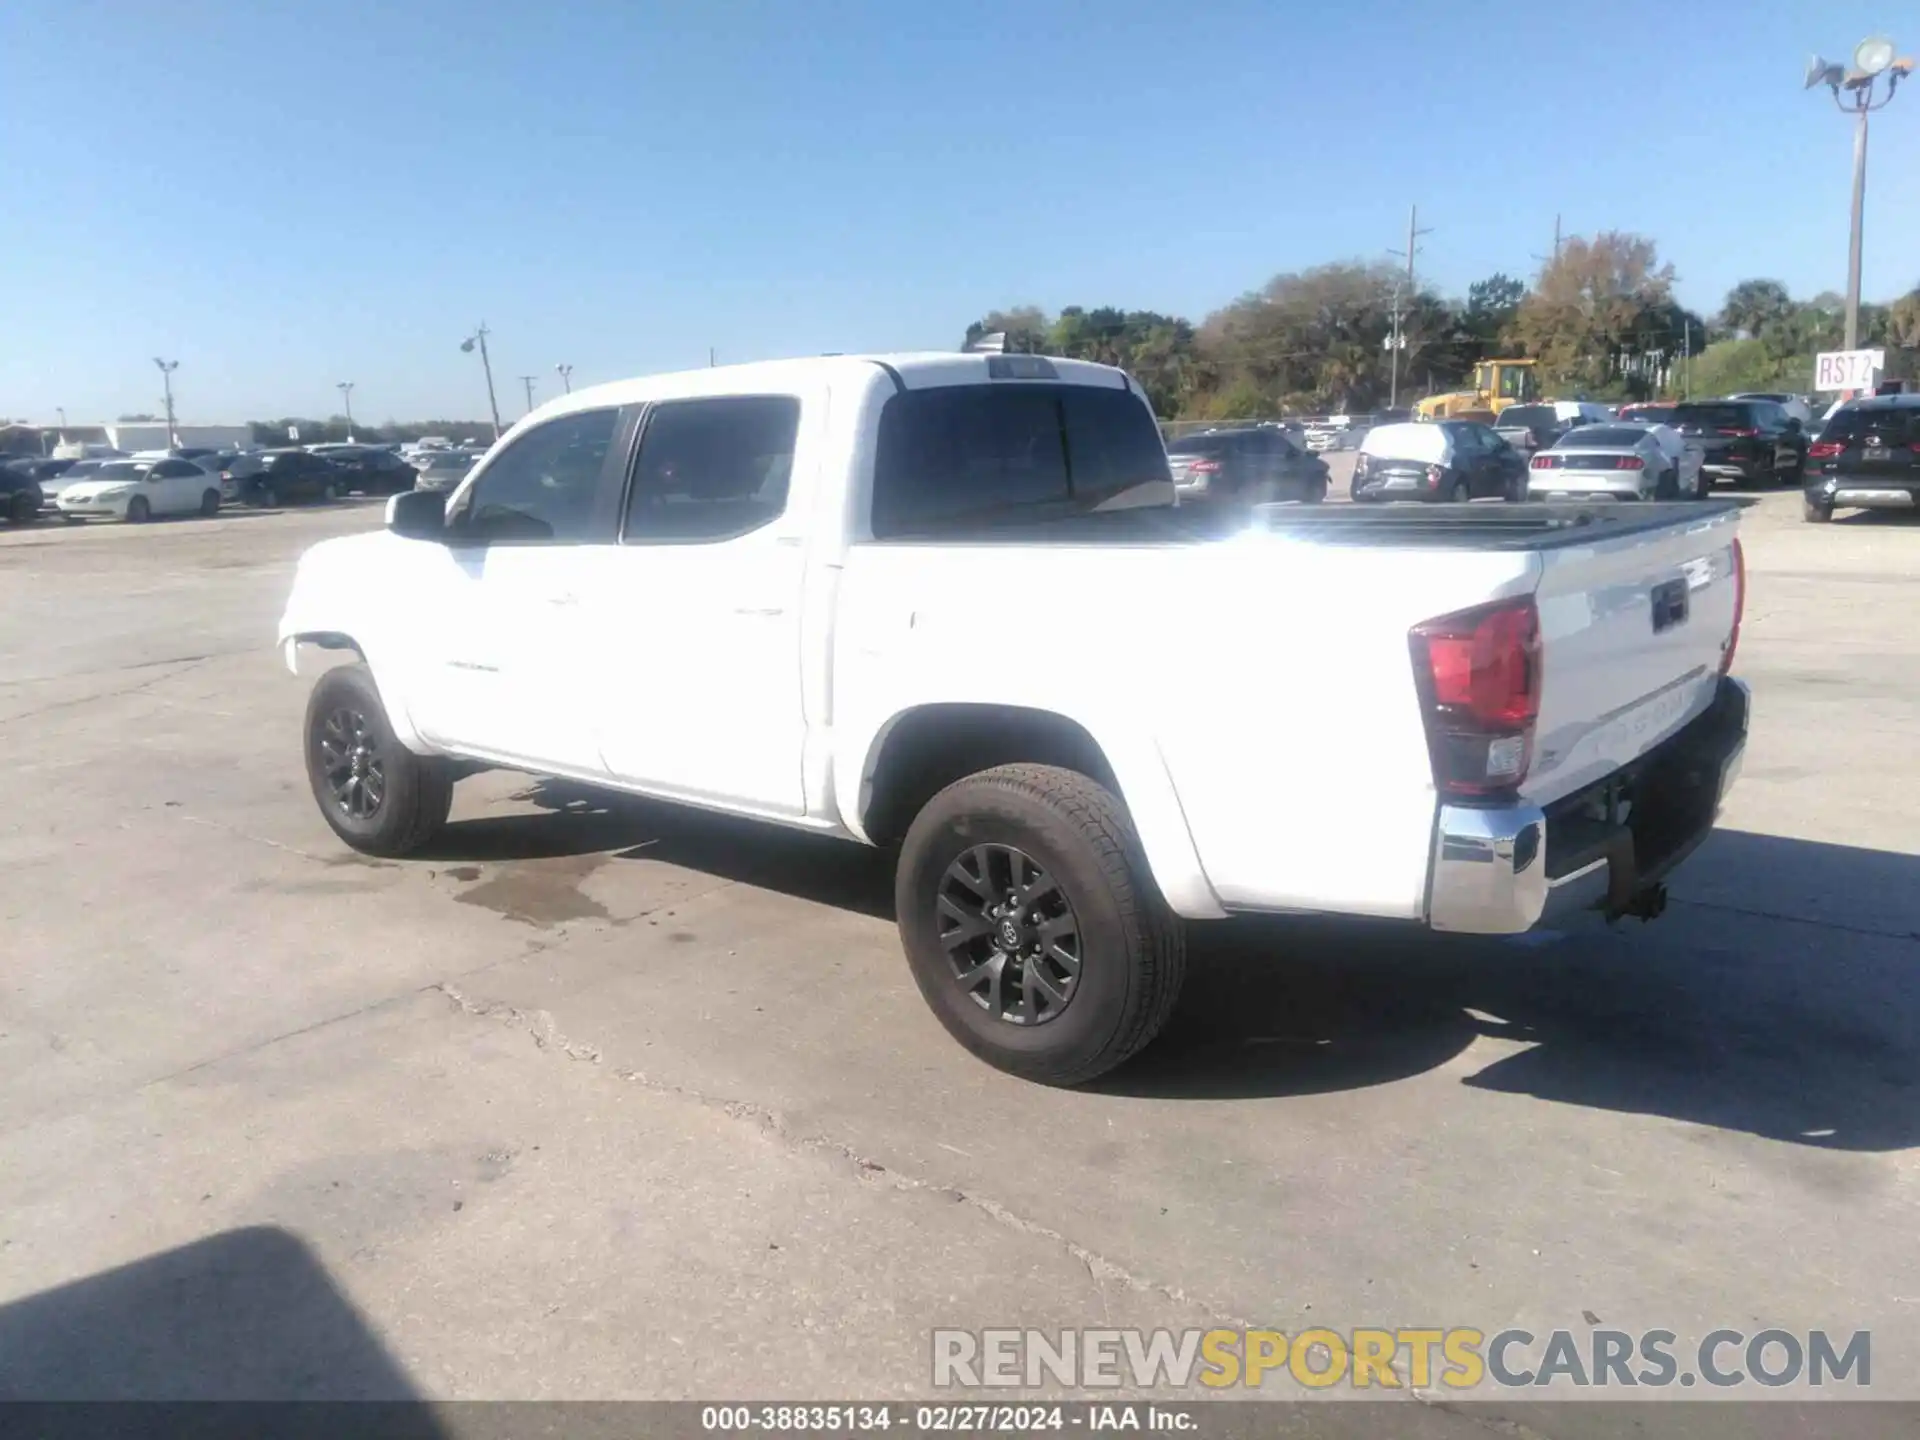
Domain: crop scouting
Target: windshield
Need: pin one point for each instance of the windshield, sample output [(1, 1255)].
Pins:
[(123, 470)]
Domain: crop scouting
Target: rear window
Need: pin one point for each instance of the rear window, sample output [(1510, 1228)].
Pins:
[(1590, 436), (1713, 415), (1649, 414), (1895, 425), (978, 452), (128, 471), (1515, 415), (1204, 445)]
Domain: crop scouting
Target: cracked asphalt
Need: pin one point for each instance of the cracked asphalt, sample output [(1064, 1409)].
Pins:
[(607, 1100)]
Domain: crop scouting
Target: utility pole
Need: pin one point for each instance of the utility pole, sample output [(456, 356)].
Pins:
[(566, 377), (1397, 341), (1556, 237), (527, 380), (345, 387), (710, 357), (1873, 60), (167, 367), (479, 338)]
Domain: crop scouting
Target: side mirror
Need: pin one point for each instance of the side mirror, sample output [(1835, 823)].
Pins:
[(418, 514)]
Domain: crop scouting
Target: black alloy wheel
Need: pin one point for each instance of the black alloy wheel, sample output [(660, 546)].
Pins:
[(1010, 934), (350, 759)]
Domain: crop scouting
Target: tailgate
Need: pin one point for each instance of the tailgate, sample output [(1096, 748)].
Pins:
[(1632, 628)]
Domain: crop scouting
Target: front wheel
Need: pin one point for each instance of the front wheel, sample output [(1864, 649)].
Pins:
[(328, 493), (1032, 925), (209, 502), (22, 506), (138, 510), (377, 795)]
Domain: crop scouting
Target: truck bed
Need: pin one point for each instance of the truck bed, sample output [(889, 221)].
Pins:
[(1501, 527)]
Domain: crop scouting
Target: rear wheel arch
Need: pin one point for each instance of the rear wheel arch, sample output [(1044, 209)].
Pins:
[(924, 749)]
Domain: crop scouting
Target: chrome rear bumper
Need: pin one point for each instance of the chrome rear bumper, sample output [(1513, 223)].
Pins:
[(1499, 870)]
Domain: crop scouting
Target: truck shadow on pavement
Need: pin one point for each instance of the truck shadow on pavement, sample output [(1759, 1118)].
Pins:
[(1779, 996), (246, 1314)]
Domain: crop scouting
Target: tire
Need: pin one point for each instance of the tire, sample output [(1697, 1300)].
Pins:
[(328, 494), (1460, 494), (209, 502), (1814, 512), (138, 510), (269, 498), (22, 506), (415, 792), (1131, 949)]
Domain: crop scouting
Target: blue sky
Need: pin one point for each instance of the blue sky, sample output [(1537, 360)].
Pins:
[(283, 196)]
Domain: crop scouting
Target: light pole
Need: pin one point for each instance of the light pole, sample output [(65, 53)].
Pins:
[(1871, 60), (479, 338), (345, 387), (566, 377), (527, 380), (61, 411), (167, 367)]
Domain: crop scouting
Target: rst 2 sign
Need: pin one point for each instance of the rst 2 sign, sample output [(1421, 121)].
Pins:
[(1848, 369)]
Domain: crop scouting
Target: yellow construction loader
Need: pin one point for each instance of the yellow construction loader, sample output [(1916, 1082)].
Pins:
[(1499, 383)]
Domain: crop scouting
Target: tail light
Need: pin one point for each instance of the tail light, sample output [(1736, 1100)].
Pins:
[(1543, 462), (1205, 467), (1825, 449), (1629, 462), (1435, 474), (1478, 673), (1739, 605), (1743, 432)]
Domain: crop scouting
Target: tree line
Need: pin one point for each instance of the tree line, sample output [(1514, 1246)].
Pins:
[(1600, 317), (335, 428)]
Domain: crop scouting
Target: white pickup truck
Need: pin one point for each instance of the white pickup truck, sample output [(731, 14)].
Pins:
[(946, 603)]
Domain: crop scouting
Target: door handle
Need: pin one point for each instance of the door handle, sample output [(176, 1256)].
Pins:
[(761, 610)]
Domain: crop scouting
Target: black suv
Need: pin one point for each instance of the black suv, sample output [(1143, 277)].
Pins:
[(1244, 466), (1750, 442), (290, 475), (371, 469), (1868, 455)]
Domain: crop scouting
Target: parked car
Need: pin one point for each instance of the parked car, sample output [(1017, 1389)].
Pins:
[(1455, 460), (137, 490), (1530, 427), (73, 474), (441, 469), (1794, 405), (39, 468), (1616, 462), (1867, 456), (370, 469), (1746, 441), (1648, 412), (287, 477), (20, 497), (1247, 466), (831, 537), (1337, 432)]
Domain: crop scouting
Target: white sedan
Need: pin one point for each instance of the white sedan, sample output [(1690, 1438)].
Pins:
[(136, 490)]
